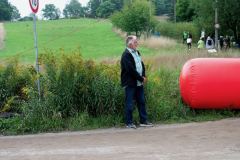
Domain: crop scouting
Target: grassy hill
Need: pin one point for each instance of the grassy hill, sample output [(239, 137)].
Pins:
[(94, 38)]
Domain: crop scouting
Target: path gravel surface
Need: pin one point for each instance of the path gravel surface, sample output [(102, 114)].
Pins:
[(214, 140), (2, 35)]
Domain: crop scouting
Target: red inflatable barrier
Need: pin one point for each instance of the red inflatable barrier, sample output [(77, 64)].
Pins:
[(211, 83)]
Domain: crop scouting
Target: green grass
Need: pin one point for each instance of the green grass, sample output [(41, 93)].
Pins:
[(94, 38)]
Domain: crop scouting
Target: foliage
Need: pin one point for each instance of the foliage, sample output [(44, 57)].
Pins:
[(185, 10), (73, 10), (205, 15), (118, 4), (162, 87), (13, 79), (15, 13), (40, 115), (8, 11), (175, 30), (136, 17), (78, 86), (26, 18), (11, 126), (93, 6), (80, 94), (228, 18), (51, 12), (164, 7), (5, 10), (105, 9)]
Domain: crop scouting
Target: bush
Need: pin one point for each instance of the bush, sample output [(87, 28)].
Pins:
[(40, 116), (163, 96), (13, 79), (78, 86), (175, 30)]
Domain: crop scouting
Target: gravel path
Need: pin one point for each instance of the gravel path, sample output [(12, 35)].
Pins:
[(2, 34), (214, 140)]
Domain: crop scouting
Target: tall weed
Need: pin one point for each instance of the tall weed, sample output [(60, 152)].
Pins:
[(40, 116), (79, 86), (13, 79), (163, 97)]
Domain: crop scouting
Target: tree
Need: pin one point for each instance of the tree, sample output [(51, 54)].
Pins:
[(15, 13), (73, 10), (160, 10), (228, 19), (51, 12), (164, 7), (229, 12), (205, 15), (118, 4), (29, 18), (105, 9), (26, 18), (5, 10), (135, 17), (185, 10), (93, 6)]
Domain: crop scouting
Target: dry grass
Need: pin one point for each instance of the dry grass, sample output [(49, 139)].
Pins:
[(172, 61), (162, 18), (176, 61), (158, 42), (120, 33), (151, 42), (110, 61)]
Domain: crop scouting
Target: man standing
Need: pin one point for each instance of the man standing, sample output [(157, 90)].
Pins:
[(132, 79)]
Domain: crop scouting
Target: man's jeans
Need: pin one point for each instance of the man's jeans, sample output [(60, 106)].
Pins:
[(135, 93)]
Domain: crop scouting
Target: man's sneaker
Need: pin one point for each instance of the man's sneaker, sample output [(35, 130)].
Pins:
[(146, 124), (131, 126)]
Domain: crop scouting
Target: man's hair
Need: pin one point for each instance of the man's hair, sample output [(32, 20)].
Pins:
[(130, 39)]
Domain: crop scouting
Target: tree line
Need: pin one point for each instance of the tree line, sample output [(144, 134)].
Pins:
[(94, 9), (104, 8), (8, 11)]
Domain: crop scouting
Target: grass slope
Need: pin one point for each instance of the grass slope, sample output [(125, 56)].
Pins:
[(94, 38)]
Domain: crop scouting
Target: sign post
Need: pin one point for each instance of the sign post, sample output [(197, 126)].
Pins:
[(34, 4)]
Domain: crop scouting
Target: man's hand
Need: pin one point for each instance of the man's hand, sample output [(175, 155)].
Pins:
[(144, 80)]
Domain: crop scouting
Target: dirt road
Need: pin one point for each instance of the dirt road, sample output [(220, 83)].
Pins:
[(219, 140), (2, 34)]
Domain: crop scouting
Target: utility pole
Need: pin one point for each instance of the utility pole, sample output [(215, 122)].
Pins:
[(150, 13), (150, 7), (216, 24), (175, 16)]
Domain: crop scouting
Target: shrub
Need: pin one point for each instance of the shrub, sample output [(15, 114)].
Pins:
[(40, 116), (175, 30), (13, 79), (163, 97), (79, 86)]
